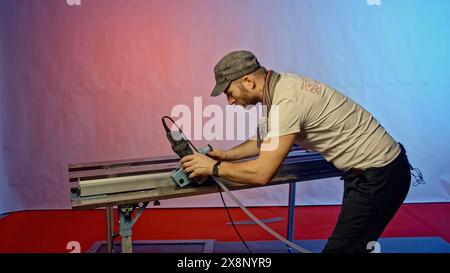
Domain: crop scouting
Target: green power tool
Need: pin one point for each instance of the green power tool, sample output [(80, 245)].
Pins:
[(182, 147)]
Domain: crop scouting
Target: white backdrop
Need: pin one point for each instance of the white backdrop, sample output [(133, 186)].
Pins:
[(91, 82)]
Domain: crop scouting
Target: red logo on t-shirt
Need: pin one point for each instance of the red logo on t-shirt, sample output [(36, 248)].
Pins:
[(311, 86)]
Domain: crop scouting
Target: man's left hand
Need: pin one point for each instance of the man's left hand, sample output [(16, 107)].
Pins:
[(198, 165)]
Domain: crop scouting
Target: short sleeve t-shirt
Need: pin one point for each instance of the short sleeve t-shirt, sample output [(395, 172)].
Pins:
[(329, 122)]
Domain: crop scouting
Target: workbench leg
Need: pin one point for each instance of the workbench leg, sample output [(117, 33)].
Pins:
[(110, 228), (125, 227), (291, 213), (127, 244), (126, 222)]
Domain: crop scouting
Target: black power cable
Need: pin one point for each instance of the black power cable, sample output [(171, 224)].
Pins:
[(417, 175), (231, 219)]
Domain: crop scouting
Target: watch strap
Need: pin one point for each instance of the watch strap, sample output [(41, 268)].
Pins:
[(216, 168)]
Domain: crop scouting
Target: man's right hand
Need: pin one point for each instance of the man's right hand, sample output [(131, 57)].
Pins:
[(219, 155)]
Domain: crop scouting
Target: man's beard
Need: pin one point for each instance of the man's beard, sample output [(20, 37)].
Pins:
[(246, 99)]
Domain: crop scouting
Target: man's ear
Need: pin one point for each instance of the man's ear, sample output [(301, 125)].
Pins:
[(249, 82)]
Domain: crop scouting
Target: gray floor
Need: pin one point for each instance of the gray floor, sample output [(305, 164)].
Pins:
[(387, 245)]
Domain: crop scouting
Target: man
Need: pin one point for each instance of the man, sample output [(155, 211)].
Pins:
[(317, 117)]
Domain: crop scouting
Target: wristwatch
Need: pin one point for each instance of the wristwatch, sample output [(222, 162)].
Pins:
[(216, 167)]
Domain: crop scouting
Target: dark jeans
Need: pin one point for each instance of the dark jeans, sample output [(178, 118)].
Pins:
[(371, 198)]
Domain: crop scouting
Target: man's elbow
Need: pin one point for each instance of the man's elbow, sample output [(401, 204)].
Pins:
[(263, 179), (263, 174)]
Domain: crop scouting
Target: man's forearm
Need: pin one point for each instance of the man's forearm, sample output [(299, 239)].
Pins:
[(261, 170), (247, 149), (247, 172)]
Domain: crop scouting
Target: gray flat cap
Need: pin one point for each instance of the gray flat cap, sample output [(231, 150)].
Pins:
[(232, 67)]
